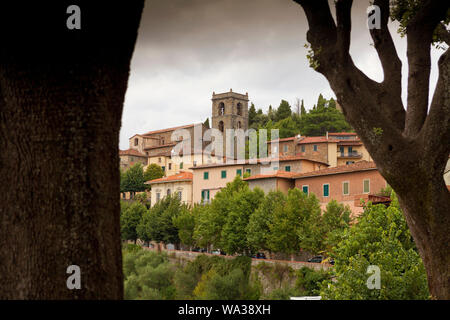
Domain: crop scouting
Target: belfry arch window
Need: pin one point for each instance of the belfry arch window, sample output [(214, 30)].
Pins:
[(239, 109), (239, 126), (221, 126), (221, 109)]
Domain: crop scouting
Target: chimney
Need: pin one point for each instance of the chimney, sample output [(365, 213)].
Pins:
[(327, 135)]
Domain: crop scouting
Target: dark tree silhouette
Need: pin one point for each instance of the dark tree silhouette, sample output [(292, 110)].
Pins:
[(61, 97), (410, 147)]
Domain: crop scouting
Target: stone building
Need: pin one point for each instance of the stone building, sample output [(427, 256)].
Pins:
[(130, 157), (229, 111), (208, 179), (335, 148), (347, 184), (179, 185)]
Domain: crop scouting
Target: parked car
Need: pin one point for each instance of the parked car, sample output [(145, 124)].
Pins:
[(316, 259), (259, 255), (218, 252), (203, 250)]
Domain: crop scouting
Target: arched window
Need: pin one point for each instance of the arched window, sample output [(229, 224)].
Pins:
[(239, 125), (221, 126), (136, 141), (221, 109), (239, 109)]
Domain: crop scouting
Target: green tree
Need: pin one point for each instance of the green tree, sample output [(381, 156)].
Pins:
[(284, 111), (206, 123), (148, 276), (134, 179), (185, 223), (335, 219), (252, 115), (302, 110), (234, 231), (207, 225), (130, 219), (294, 225), (153, 171), (258, 228), (212, 219), (320, 120), (157, 223), (287, 126), (381, 238)]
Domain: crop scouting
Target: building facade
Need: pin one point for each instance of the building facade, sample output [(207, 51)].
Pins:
[(346, 184), (335, 149), (130, 157), (179, 185), (211, 178)]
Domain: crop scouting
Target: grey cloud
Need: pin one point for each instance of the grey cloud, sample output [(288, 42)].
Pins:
[(187, 49)]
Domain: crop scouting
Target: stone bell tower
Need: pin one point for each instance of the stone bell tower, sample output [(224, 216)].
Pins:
[(229, 111)]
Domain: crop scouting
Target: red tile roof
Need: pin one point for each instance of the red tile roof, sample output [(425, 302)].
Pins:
[(307, 140), (282, 140), (260, 160), (161, 146), (350, 143), (357, 166), (182, 176), (277, 174), (341, 133), (131, 152), (169, 129)]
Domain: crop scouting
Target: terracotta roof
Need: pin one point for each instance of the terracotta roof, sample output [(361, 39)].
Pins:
[(350, 143), (260, 160), (182, 176), (341, 133), (161, 146), (282, 140), (357, 166), (131, 152), (307, 140), (166, 153), (169, 129), (277, 174)]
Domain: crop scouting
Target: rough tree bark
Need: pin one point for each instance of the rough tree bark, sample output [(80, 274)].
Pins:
[(410, 147), (61, 97)]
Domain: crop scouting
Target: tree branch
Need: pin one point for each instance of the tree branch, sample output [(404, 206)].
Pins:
[(443, 33), (344, 27), (392, 66), (419, 38), (322, 31), (351, 86), (435, 134)]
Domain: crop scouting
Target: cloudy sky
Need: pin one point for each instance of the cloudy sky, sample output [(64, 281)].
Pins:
[(186, 49)]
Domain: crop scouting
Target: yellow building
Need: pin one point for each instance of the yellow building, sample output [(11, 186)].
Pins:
[(179, 185)]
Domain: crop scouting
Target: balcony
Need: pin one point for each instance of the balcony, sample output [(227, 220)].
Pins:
[(353, 154)]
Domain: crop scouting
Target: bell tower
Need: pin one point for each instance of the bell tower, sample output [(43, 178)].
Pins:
[(229, 111)]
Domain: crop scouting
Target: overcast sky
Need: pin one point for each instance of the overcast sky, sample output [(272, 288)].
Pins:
[(186, 49)]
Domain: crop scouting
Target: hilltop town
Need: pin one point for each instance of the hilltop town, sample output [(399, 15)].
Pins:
[(334, 166)]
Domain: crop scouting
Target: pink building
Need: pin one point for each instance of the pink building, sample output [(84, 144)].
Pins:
[(347, 184)]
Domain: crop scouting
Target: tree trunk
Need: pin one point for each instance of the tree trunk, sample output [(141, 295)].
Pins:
[(61, 97), (428, 216)]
